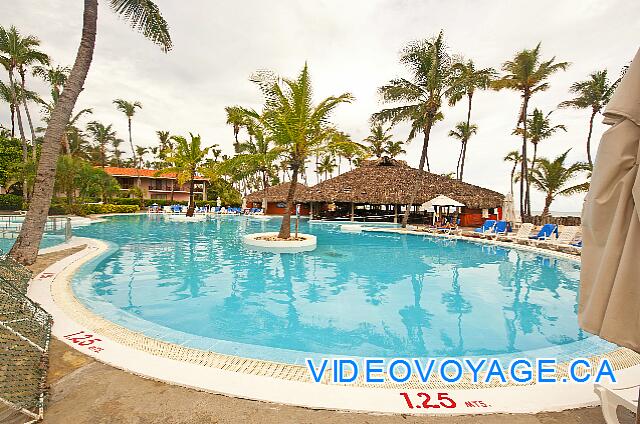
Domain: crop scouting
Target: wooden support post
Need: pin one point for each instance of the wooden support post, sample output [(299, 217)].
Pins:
[(353, 211), (395, 214)]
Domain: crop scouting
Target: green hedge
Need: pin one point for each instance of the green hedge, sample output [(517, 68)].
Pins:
[(10, 202), (109, 208)]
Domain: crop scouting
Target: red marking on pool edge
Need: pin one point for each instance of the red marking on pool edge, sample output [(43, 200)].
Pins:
[(85, 340), (423, 400), (45, 275)]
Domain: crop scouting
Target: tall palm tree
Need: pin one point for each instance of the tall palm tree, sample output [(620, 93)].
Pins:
[(378, 139), (143, 15), (71, 131), (527, 74), (55, 76), (395, 148), (129, 109), (6, 95), (17, 94), (540, 128), (462, 132), (552, 178), (140, 152), (296, 125), (103, 136), (117, 153), (236, 118), (326, 166), (187, 159), (467, 79), (17, 53), (430, 64), (515, 157), (593, 93)]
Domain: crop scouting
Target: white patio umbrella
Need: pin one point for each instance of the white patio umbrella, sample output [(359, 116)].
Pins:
[(508, 212), (439, 202), (609, 301)]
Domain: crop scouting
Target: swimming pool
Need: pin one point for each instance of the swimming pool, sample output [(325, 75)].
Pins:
[(357, 294)]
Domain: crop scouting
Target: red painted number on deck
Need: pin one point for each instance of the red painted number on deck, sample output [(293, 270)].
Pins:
[(83, 339), (424, 400)]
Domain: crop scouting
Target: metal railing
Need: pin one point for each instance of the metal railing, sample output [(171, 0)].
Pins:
[(25, 332), (10, 226)]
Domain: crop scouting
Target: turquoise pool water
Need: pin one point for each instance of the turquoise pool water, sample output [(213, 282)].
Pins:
[(365, 294)]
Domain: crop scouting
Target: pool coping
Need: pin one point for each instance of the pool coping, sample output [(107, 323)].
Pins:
[(278, 382)]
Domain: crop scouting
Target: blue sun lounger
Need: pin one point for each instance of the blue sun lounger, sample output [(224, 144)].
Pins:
[(546, 232), (487, 227)]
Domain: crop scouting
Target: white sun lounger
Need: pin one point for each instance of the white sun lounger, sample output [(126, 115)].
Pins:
[(567, 235), (610, 399), (522, 234)]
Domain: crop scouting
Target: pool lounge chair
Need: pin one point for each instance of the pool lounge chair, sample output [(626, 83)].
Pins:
[(545, 234), (522, 235), (611, 398), (487, 227), (564, 239), (500, 229)]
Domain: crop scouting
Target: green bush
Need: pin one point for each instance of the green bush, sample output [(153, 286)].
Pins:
[(10, 202), (109, 208), (58, 209)]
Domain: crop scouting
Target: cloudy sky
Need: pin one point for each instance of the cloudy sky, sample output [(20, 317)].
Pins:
[(351, 46)]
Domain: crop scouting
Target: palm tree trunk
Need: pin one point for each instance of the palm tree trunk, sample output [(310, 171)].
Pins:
[(285, 227), (464, 157), (26, 110), (459, 159), (191, 208), (513, 173), (535, 155), (16, 104), (593, 115), (464, 142), (524, 178), (25, 249), (12, 108), (423, 158), (547, 204), (133, 150)]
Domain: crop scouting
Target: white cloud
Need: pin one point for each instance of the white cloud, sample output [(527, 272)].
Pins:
[(350, 46)]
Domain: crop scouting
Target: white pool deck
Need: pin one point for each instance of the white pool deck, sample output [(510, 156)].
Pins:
[(284, 383)]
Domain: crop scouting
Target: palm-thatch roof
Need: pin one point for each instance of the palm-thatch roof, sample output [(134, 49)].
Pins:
[(276, 193), (390, 181)]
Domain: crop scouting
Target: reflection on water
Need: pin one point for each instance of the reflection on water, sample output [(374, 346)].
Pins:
[(369, 294)]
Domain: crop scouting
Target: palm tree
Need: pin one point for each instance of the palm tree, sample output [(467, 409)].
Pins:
[(296, 125), (129, 109), (394, 148), (236, 118), (463, 132), (140, 152), (6, 95), (55, 76), (143, 15), (466, 81), (527, 73), (326, 166), (117, 153), (431, 65), (378, 140), (72, 129), (539, 128), (20, 95), (515, 157), (103, 136), (186, 161), (17, 53), (552, 178), (593, 93)]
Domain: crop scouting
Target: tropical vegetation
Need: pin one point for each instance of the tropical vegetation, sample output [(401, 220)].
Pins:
[(62, 151)]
